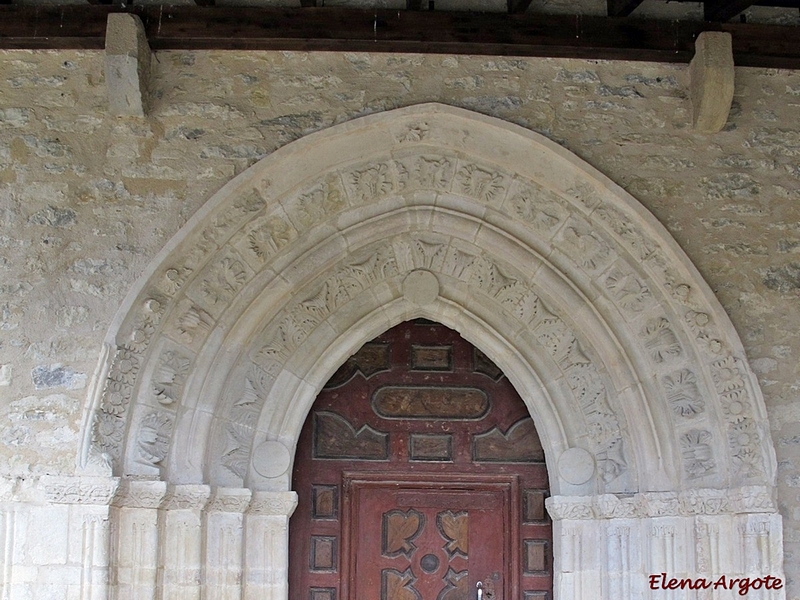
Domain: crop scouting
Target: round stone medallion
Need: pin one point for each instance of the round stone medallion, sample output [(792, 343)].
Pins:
[(271, 459), (421, 287), (576, 466)]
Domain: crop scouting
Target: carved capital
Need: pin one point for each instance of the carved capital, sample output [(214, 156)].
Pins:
[(140, 494), (273, 504), (689, 503), (186, 497), (231, 500), (79, 490)]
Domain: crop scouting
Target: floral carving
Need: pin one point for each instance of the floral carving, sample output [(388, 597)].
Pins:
[(125, 367), (660, 341), (193, 324), (700, 324), (224, 281), (584, 193), (236, 454), (727, 375), (341, 287), (586, 248), (627, 290), (280, 504), (270, 237), (480, 184), (108, 431), (683, 394), (415, 133), (640, 245), (698, 458), (538, 208), (744, 438), (434, 172), (142, 332), (229, 500), (372, 182), (175, 278), (154, 436), (322, 201), (115, 398), (692, 502), (170, 375), (745, 442)]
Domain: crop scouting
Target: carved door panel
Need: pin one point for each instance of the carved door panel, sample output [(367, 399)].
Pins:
[(419, 420), (412, 541)]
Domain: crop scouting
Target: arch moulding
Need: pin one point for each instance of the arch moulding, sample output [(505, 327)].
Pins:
[(653, 425)]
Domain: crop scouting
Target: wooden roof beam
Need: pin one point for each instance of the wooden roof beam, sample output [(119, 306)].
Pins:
[(621, 8), (724, 10), (387, 30), (516, 7)]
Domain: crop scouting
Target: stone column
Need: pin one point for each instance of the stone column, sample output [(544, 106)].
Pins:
[(224, 520), (608, 547), (134, 516), (86, 530), (181, 541), (266, 564)]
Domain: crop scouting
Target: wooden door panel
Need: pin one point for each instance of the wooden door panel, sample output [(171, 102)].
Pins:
[(415, 540), (419, 473)]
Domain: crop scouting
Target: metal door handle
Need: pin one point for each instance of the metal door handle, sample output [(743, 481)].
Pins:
[(479, 585)]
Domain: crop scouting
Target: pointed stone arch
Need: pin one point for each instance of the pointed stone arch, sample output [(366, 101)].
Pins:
[(631, 369)]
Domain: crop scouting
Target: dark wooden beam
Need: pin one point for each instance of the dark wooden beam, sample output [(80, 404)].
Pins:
[(621, 8), (516, 7), (428, 32), (724, 10)]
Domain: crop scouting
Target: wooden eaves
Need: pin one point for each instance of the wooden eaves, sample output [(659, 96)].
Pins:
[(407, 31)]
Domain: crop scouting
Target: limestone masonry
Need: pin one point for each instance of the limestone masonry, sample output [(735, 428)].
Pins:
[(153, 379)]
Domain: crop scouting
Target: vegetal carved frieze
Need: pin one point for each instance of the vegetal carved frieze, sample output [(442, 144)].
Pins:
[(702, 501)]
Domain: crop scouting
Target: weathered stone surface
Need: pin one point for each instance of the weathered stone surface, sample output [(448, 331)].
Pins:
[(91, 189), (711, 72), (127, 65)]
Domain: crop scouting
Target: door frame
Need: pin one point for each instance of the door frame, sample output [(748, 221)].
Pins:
[(508, 484)]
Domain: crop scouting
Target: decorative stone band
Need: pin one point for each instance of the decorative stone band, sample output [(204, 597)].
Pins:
[(186, 497), (273, 504), (752, 499), (140, 494), (229, 500), (79, 490)]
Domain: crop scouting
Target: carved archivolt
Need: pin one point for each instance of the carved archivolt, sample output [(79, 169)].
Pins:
[(560, 277)]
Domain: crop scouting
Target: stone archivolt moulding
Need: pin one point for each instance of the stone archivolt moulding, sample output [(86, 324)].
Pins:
[(564, 280), (629, 366), (582, 298)]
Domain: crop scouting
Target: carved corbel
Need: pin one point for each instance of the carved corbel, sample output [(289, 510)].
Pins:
[(128, 58), (711, 85)]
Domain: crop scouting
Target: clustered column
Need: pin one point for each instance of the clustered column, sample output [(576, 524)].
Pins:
[(194, 542)]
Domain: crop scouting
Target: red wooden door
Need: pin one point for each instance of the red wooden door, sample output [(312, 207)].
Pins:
[(413, 540), (419, 474)]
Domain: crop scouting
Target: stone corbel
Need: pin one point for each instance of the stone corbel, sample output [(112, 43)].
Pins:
[(711, 81), (128, 58)]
